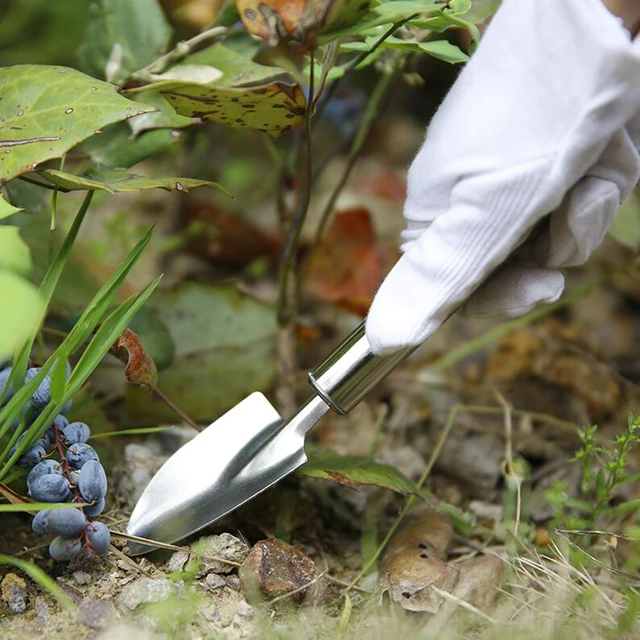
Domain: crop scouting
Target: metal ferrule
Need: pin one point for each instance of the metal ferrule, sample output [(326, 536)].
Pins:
[(351, 371)]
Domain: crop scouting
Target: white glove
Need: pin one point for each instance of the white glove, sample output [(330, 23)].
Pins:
[(538, 123)]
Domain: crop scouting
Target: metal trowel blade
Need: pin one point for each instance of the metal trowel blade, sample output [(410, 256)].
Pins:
[(238, 456)]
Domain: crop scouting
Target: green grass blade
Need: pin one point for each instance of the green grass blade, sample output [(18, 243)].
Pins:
[(39, 506), (40, 578), (48, 285), (130, 432)]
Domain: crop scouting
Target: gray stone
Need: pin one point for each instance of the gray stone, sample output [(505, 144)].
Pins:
[(215, 581), (42, 611), (81, 577), (140, 464), (244, 609), (215, 549), (94, 614), (177, 561), (144, 591), (14, 593)]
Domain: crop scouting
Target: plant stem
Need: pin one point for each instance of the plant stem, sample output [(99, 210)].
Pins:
[(374, 107), (176, 409), (288, 275)]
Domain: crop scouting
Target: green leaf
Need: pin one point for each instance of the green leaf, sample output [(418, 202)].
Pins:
[(46, 110), (7, 209), (441, 49), (117, 148), (129, 432), (39, 577), (224, 349), (23, 306), (122, 36), (164, 118), (239, 92), (59, 376), (14, 252), (117, 181), (354, 471)]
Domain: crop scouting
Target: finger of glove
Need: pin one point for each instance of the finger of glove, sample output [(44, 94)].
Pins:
[(441, 268), (514, 291)]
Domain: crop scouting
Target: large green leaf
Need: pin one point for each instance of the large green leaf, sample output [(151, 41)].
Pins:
[(116, 181), (22, 306), (122, 36), (224, 349), (353, 471), (116, 147), (164, 118), (7, 209), (14, 252), (222, 85), (46, 110)]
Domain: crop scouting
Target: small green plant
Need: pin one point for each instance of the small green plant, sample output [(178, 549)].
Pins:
[(605, 467)]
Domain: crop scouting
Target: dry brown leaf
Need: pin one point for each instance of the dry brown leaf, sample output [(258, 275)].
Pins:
[(140, 368), (415, 561)]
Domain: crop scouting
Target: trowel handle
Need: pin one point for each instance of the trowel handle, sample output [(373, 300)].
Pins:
[(352, 370)]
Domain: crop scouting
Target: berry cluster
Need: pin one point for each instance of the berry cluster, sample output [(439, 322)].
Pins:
[(76, 476)]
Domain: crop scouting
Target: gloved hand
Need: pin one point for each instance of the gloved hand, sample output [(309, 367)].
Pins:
[(540, 123)]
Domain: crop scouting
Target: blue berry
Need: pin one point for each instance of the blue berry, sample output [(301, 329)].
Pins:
[(31, 457), (49, 488), (99, 537), (75, 432), (68, 523), (96, 509), (80, 453), (64, 549), (60, 422), (44, 468), (93, 481), (42, 395), (40, 521), (4, 379)]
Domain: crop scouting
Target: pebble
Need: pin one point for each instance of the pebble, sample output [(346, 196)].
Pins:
[(244, 609), (275, 568), (215, 581), (223, 547), (144, 591), (81, 577), (94, 614), (42, 611), (177, 561), (14, 593)]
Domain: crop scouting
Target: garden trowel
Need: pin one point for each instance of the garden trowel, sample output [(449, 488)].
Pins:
[(250, 448)]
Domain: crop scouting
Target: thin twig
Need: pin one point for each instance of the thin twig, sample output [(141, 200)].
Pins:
[(176, 409), (445, 595), (288, 274)]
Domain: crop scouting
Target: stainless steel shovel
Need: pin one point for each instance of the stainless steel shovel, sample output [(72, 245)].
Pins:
[(251, 447)]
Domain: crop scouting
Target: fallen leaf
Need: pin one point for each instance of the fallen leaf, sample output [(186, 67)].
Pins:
[(348, 266), (274, 568), (139, 368), (415, 561), (353, 471)]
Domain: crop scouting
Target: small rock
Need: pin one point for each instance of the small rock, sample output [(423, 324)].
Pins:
[(173, 438), (81, 577), (14, 593), (140, 464), (42, 611), (94, 613), (215, 549), (244, 609), (144, 591), (233, 582), (177, 561), (274, 568), (215, 581)]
